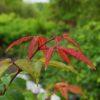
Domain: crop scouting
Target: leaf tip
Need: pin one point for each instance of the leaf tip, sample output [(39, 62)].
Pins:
[(94, 68), (7, 50), (45, 68)]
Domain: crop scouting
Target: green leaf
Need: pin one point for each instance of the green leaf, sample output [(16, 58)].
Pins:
[(98, 80), (20, 83), (37, 70), (6, 79), (29, 95), (1, 87), (60, 65), (30, 67), (12, 94), (4, 65), (25, 65), (41, 96), (34, 68)]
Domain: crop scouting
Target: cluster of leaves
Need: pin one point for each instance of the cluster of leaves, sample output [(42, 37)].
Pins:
[(39, 43), (34, 68), (64, 88), (86, 32)]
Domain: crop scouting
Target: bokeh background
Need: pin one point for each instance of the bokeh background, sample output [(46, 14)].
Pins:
[(79, 18)]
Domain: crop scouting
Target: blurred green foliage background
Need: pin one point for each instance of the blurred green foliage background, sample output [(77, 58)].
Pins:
[(80, 18)]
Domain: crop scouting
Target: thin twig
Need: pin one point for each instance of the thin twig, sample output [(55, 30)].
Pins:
[(47, 41), (18, 71)]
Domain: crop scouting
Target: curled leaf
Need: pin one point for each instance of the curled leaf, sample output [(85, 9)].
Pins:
[(80, 56), (19, 41), (33, 47), (60, 65)]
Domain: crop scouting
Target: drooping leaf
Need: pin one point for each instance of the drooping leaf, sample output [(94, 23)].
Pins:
[(37, 70), (19, 41), (25, 65), (49, 54), (64, 88), (33, 47), (4, 65), (60, 65), (72, 41), (63, 55), (32, 68), (80, 56)]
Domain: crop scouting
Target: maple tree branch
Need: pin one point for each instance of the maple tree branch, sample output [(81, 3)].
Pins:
[(19, 70)]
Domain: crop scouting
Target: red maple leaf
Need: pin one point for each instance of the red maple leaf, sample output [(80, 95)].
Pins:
[(33, 47), (48, 55), (72, 41), (80, 56), (39, 43), (42, 44), (19, 41), (63, 55), (58, 39), (64, 88)]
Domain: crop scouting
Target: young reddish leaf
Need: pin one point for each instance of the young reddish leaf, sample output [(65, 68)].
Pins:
[(42, 41), (64, 88), (80, 56), (75, 89), (48, 56), (58, 39), (19, 41), (33, 47), (63, 55), (70, 40), (42, 45)]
